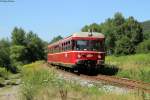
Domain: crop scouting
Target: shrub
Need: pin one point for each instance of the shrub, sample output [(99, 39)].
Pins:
[(144, 47), (4, 73), (34, 79), (132, 66)]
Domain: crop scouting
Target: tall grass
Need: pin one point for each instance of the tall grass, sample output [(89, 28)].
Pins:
[(35, 78), (132, 66), (41, 83), (4, 73)]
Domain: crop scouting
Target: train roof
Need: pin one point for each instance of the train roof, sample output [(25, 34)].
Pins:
[(81, 34), (87, 34)]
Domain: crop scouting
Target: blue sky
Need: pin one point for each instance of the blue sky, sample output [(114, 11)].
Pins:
[(49, 18)]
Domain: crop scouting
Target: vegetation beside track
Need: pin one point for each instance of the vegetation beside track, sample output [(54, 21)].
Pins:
[(42, 83), (7, 78), (132, 66)]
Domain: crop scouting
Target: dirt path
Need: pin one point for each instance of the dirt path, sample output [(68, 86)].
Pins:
[(9, 93)]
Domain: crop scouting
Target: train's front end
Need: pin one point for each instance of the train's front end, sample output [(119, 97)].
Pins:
[(89, 50)]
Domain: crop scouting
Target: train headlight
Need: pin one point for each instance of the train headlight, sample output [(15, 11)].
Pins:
[(89, 55), (79, 56), (99, 56)]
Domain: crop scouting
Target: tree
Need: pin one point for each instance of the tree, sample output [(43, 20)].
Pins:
[(118, 19), (123, 46), (4, 53), (17, 56), (144, 47), (35, 47), (56, 39), (85, 28), (108, 28), (93, 27), (146, 35), (119, 32), (18, 36), (17, 53)]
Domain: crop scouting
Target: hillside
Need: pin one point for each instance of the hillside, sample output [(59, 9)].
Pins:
[(146, 26)]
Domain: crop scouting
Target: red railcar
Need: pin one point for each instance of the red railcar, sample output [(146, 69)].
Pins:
[(82, 50)]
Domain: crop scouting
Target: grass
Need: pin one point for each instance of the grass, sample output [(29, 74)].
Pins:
[(4, 73), (132, 66), (7, 78), (42, 83)]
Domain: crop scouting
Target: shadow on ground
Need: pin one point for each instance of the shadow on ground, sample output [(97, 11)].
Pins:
[(108, 70)]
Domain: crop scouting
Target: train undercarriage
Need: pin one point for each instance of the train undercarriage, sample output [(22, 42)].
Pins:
[(81, 67)]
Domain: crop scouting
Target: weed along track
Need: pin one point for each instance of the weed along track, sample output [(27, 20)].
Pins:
[(109, 80), (131, 84)]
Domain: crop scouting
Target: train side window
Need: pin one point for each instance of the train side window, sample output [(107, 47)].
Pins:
[(66, 46), (63, 46), (49, 50), (57, 48), (73, 45), (69, 45)]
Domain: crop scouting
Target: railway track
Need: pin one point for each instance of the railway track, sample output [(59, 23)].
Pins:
[(113, 80), (122, 82)]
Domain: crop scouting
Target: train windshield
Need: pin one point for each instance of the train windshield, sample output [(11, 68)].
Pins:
[(91, 45)]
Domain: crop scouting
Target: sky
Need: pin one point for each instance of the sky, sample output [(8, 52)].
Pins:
[(50, 18)]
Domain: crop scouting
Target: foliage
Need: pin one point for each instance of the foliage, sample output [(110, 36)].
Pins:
[(133, 66), (42, 83), (24, 47), (17, 56), (35, 47), (56, 39), (18, 36), (34, 79), (4, 73), (146, 29), (146, 26), (119, 32), (4, 53), (147, 35), (144, 47), (93, 27)]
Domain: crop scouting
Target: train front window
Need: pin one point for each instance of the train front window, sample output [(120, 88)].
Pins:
[(81, 45), (91, 45)]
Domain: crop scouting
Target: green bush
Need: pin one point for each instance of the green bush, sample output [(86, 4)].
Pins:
[(34, 79), (144, 47), (142, 74), (132, 66), (4, 73)]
